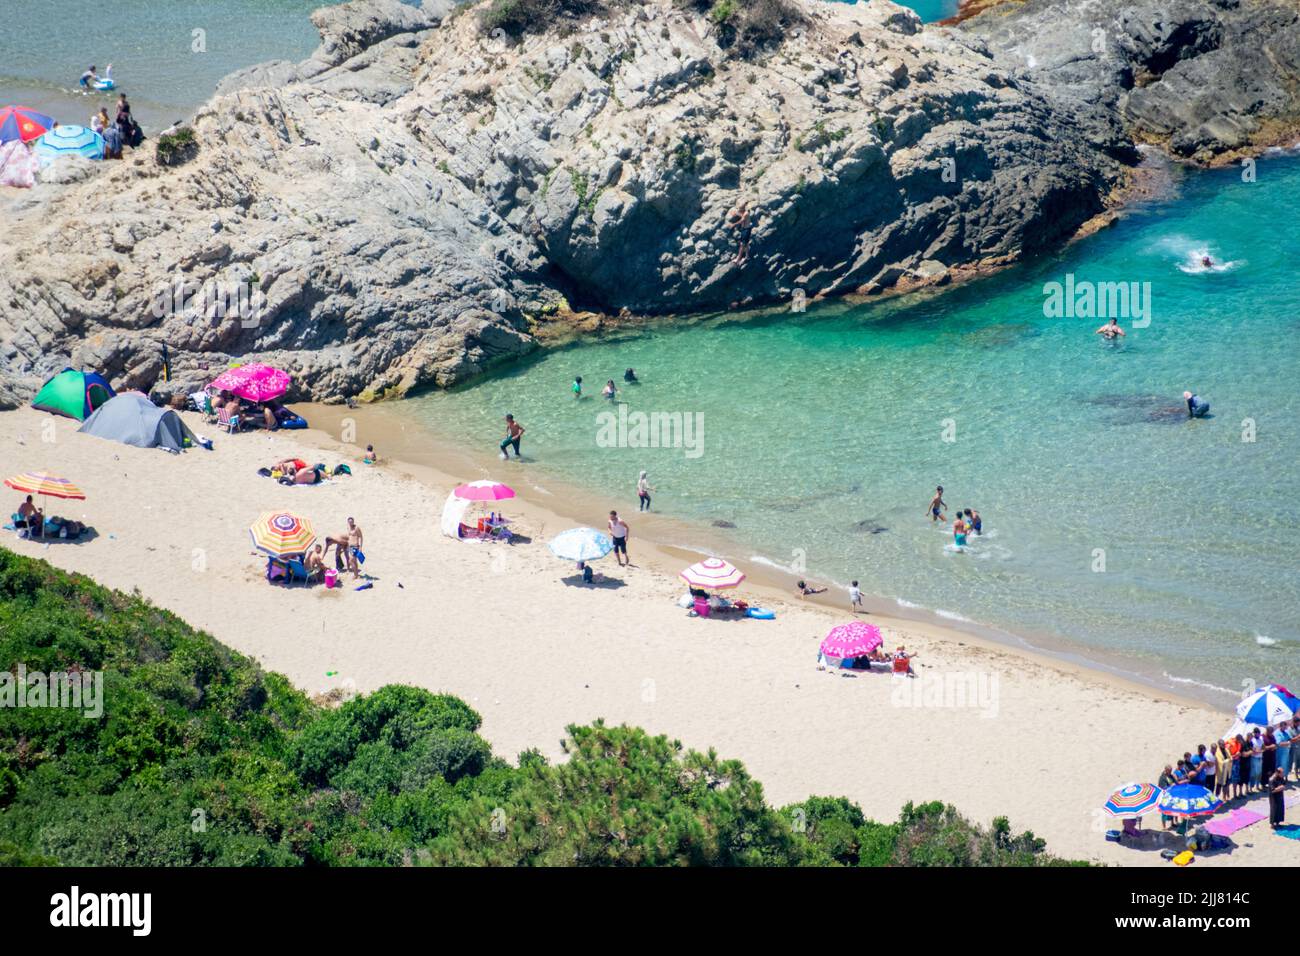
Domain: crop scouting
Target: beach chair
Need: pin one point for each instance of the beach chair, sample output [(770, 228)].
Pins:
[(298, 572), (227, 421), (209, 413)]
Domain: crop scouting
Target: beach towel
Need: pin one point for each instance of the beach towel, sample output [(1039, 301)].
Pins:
[(1235, 820), (18, 165), (1289, 830)]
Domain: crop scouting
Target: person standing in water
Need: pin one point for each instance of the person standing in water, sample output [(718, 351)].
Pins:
[(630, 376), (514, 433), (577, 386), (959, 531), (643, 489), (937, 504), (1196, 406), (973, 519), (1111, 330), (610, 391)]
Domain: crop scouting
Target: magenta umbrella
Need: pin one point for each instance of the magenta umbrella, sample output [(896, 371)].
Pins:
[(483, 491), (854, 639), (255, 382)]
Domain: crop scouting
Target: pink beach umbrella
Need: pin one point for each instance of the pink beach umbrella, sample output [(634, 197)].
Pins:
[(483, 491), (254, 382), (713, 573), (852, 639)]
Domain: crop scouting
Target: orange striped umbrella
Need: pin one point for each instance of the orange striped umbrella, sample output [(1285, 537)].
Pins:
[(280, 534), (40, 483)]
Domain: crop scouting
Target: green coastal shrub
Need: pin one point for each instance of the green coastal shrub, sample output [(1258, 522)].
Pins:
[(176, 148), (202, 759)]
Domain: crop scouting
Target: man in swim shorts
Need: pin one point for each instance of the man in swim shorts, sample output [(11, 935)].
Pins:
[(514, 432), (618, 531), (974, 521), (937, 504), (959, 530)]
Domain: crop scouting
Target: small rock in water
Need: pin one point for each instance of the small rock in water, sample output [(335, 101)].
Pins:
[(723, 523)]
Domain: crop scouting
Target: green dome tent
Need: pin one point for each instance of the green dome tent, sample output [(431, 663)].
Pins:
[(134, 420), (72, 393)]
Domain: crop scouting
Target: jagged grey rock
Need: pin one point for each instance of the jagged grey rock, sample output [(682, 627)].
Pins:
[(409, 200)]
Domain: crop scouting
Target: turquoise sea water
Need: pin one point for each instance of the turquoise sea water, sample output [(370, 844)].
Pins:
[(820, 428)]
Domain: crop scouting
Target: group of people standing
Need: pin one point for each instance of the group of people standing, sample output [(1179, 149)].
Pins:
[(1243, 765), (122, 131), (966, 520)]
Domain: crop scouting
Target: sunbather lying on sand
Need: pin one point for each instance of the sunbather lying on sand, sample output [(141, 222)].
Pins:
[(303, 476)]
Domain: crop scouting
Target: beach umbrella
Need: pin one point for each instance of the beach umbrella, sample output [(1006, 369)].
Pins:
[(254, 382), (713, 573), (581, 544), (483, 491), (1266, 707), (852, 639), (1133, 800), (69, 141), (43, 483), (1188, 800), (23, 124), (281, 534)]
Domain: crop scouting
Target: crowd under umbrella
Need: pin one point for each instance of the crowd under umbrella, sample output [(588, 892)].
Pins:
[(23, 124), (581, 544), (848, 641), (1132, 800), (255, 382), (281, 534), (69, 141), (713, 574), (1268, 706)]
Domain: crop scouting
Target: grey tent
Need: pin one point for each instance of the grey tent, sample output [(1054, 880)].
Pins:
[(134, 420)]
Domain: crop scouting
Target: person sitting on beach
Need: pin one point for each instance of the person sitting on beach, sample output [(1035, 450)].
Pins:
[(314, 560), (588, 576), (903, 662), (629, 376), (31, 517), (803, 590), (1110, 330), (371, 457)]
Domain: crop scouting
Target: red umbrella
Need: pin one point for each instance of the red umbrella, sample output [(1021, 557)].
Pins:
[(19, 122)]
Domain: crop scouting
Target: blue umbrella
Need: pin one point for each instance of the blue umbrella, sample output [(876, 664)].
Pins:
[(1189, 800), (69, 141), (581, 544), (1266, 707)]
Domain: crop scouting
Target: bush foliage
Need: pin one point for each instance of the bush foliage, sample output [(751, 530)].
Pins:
[(201, 758)]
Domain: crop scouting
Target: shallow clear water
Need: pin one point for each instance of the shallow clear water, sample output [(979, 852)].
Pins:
[(820, 427), (151, 44)]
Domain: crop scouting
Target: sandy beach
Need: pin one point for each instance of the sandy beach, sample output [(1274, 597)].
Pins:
[(989, 729)]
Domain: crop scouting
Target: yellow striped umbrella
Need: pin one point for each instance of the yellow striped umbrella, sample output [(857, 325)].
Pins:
[(281, 534), (40, 483)]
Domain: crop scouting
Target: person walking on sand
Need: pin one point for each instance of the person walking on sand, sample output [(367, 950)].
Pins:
[(514, 433), (618, 531), (937, 504), (855, 597), (643, 489)]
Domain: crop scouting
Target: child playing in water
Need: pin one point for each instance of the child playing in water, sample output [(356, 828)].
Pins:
[(371, 458), (577, 387)]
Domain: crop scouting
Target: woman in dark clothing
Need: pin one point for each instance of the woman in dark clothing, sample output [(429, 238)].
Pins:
[(1276, 801), (1270, 754)]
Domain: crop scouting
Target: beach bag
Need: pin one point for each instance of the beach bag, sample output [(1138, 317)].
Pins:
[(1182, 859)]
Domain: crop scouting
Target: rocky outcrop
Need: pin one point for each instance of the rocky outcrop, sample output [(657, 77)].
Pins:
[(406, 207), (1205, 79)]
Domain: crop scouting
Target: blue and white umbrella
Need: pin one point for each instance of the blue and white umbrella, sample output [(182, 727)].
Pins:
[(1188, 800), (581, 544), (1266, 707), (69, 141)]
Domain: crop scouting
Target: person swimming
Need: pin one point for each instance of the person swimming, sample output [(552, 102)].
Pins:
[(629, 376), (1111, 330), (1197, 407), (1207, 262)]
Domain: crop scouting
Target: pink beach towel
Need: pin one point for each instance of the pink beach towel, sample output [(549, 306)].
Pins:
[(1233, 821)]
